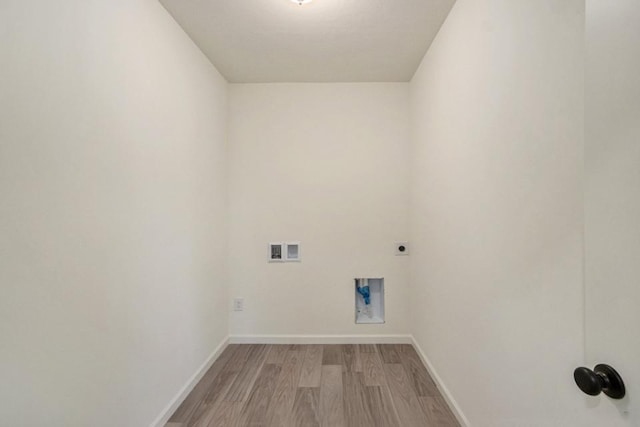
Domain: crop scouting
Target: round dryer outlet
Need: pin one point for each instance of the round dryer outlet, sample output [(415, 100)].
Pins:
[(402, 248)]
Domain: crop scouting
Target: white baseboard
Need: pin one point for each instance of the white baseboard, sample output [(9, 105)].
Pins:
[(320, 339), (453, 405), (191, 383)]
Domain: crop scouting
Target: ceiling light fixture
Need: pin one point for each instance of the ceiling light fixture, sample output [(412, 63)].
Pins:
[(301, 2)]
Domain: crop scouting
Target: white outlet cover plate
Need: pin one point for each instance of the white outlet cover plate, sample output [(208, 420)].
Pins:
[(296, 252)]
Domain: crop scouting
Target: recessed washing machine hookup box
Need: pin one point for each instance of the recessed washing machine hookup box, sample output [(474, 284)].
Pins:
[(369, 293)]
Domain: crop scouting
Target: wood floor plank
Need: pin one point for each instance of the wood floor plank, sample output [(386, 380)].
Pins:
[(306, 408), (351, 358), (254, 412), (422, 383), (367, 348), (331, 400), (312, 367), (381, 407), (277, 353), (210, 401), (404, 348), (404, 397), (239, 358), (372, 371), (227, 414), (389, 353), (241, 387), (332, 354), (357, 367), (195, 399), (286, 388), (438, 412), (356, 409)]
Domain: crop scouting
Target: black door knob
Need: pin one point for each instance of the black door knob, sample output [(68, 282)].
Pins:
[(603, 378)]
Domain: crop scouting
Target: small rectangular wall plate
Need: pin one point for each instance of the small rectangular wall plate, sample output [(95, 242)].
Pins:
[(238, 304), (292, 252), (276, 252)]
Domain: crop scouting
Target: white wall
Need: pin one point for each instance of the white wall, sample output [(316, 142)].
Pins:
[(112, 212), (325, 164), (612, 201), (496, 268)]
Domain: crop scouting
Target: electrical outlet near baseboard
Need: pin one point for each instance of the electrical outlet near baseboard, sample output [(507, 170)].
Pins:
[(238, 304)]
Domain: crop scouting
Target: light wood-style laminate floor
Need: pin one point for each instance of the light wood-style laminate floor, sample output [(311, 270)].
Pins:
[(315, 385)]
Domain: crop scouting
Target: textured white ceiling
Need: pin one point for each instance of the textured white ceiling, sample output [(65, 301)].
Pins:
[(323, 41)]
